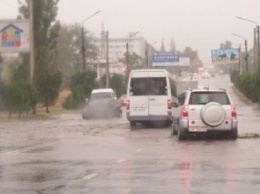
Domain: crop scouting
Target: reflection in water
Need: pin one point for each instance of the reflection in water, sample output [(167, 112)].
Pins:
[(232, 173), (186, 169)]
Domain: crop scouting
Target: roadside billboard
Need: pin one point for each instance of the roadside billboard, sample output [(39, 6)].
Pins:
[(165, 58), (14, 36), (225, 56)]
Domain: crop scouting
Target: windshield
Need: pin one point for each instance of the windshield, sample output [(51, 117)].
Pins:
[(206, 97), (190, 70), (100, 96), (148, 86)]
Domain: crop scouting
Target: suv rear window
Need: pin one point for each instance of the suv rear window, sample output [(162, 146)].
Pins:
[(101, 95), (148, 86), (206, 97)]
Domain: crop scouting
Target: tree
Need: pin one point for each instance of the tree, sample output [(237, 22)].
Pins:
[(117, 82), (172, 45), (226, 45), (82, 83), (46, 30), (189, 52), (162, 46), (69, 45), (49, 89), (135, 61), (20, 95)]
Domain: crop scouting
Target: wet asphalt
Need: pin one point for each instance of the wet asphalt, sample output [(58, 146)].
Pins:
[(66, 154)]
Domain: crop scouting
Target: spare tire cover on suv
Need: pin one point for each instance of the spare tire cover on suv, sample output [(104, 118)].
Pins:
[(213, 114)]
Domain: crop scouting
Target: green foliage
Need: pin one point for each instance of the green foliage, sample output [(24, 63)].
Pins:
[(226, 45), (248, 84), (189, 52), (48, 85), (135, 61), (117, 82), (82, 83), (233, 76), (69, 47), (46, 31), (19, 95)]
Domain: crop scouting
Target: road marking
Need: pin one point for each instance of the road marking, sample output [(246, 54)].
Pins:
[(121, 160), (90, 176), (31, 148)]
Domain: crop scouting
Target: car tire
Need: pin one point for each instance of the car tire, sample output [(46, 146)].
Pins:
[(233, 134), (173, 129), (119, 113), (181, 134), (132, 124)]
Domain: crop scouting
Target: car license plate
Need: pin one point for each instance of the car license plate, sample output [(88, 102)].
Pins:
[(139, 109), (197, 129)]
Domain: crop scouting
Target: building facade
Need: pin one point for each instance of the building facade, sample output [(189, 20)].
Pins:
[(117, 49)]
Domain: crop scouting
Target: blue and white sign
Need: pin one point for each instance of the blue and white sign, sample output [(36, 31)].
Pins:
[(225, 56), (165, 59)]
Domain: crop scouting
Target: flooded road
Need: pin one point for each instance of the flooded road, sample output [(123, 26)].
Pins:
[(66, 154)]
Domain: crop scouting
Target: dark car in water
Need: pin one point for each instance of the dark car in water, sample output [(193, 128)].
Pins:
[(101, 105)]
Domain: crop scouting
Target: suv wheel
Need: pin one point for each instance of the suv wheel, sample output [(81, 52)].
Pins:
[(173, 129), (233, 134), (181, 134)]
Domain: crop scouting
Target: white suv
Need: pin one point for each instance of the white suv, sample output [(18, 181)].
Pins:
[(201, 111)]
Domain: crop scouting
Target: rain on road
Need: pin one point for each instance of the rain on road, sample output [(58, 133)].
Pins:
[(66, 154)]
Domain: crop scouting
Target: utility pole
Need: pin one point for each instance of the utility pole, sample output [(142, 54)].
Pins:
[(83, 39), (31, 41), (258, 38), (258, 46), (83, 48), (107, 61), (246, 57), (127, 61), (255, 50)]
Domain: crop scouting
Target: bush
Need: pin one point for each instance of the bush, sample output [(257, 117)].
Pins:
[(248, 84), (82, 83), (233, 76)]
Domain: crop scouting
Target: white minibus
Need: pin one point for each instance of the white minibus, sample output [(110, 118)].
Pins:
[(150, 93)]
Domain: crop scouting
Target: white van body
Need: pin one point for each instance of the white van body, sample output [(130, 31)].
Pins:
[(150, 93)]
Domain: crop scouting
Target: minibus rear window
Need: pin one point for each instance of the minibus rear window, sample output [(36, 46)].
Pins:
[(148, 86)]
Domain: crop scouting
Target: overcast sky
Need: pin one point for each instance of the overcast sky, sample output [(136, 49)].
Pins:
[(199, 24)]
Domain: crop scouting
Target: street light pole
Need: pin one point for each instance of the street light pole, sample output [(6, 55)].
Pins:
[(246, 57), (83, 40), (258, 38)]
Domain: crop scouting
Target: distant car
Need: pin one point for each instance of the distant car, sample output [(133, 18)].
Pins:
[(102, 104), (202, 111), (122, 100), (205, 75)]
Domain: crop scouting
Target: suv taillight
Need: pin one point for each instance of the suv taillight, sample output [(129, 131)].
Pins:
[(233, 111), (127, 104), (185, 110), (169, 102)]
